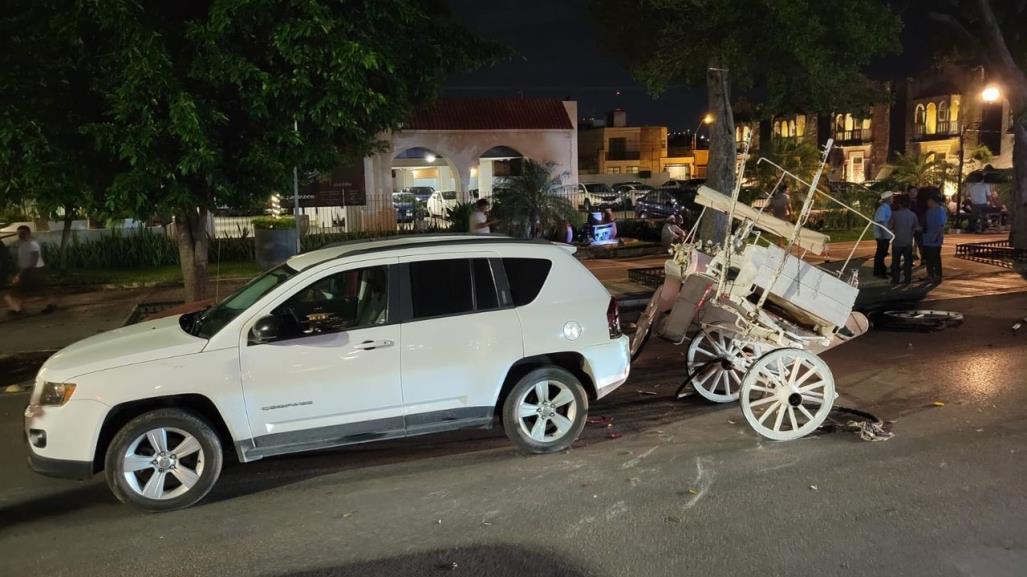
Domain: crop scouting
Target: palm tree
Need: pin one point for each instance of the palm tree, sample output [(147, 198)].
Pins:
[(921, 170), (529, 204)]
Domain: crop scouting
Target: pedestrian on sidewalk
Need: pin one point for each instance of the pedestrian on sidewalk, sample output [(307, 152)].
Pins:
[(30, 276), (918, 204), (883, 218), (904, 225), (934, 236), (979, 193), (780, 203), (479, 222)]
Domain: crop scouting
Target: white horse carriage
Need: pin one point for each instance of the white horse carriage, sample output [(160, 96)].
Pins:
[(762, 313)]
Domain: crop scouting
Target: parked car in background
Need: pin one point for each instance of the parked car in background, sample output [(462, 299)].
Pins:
[(690, 184), (630, 192), (406, 206), (441, 201), (421, 193), (663, 202), (348, 344), (595, 196)]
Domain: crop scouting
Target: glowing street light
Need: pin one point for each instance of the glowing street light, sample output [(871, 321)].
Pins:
[(429, 157), (991, 93), (706, 119)]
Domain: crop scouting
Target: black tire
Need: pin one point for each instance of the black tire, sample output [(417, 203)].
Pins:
[(208, 460), (515, 426)]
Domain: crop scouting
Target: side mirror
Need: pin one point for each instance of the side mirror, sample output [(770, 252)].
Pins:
[(267, 329)]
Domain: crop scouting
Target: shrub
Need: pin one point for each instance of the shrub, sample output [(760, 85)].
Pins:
[(274, 222), (641, 229)]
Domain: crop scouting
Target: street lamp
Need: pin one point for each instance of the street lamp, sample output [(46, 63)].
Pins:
[(706, 119), (991, 93)]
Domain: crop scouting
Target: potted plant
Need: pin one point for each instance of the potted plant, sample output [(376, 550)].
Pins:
[(275, 238)]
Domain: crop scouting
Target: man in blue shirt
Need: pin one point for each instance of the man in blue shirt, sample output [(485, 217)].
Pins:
[(934, 236), (882, 217), (904, 225)]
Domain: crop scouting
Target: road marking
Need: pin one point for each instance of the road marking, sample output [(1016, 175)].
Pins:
[(703, 480), (632, 462)]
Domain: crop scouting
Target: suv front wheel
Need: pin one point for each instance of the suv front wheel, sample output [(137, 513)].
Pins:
[(545, 411), (163, 460)]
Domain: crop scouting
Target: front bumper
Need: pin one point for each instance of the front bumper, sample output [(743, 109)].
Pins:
[(78, 470)]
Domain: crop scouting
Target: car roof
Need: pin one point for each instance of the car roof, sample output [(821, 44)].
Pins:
[(353, 247)]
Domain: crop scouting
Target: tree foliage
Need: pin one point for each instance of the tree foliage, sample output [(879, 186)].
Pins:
[(796, 55), (196, 105), (797, 156), (529, 204), (921, 170)]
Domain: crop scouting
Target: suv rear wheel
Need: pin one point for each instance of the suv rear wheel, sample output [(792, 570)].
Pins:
[(545, 411), (163, 460)]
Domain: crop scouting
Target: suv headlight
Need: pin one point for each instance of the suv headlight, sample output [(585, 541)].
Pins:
[(56, 394)]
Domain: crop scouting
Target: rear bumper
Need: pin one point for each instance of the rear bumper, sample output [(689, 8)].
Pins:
[(78, 470), (608, 364)]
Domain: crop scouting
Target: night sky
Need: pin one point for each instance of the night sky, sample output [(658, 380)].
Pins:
[(558, 53)]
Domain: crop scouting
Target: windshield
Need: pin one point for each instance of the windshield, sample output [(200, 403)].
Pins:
[(597, 188), (449, 195), (206, 324), (403, 197)]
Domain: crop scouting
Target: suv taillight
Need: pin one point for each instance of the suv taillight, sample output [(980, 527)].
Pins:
[(613, 318)]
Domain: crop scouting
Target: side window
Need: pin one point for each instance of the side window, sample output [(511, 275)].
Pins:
[(346, 300), (485, 294), (526, 277), (441, 287)]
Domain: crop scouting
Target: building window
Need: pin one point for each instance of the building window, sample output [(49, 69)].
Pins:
[(800, 125), (931, 124), (954, 110), (613, 170), (633, 169)]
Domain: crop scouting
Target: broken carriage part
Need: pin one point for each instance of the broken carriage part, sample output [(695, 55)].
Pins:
[(919, 320)]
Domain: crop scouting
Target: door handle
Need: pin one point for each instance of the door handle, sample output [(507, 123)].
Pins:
[(372, 345)]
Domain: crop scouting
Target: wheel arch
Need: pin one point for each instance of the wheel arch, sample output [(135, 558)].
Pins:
[(570, 361), (121, 414)]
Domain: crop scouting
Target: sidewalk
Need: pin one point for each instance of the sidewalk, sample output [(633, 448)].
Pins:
[(962, 278)]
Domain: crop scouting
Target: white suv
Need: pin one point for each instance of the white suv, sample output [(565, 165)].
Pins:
[(353, 343)]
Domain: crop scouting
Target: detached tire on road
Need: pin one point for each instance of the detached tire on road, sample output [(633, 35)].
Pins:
[(163, 460), (545, 411)]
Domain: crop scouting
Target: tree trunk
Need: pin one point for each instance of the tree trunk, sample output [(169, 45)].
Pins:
[(720, 172), (62, 259), (1018, 233), (193, 243)]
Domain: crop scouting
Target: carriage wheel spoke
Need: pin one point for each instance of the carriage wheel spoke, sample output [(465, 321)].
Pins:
[(780, 417), (806, 412), (791, 417), (768, 412)]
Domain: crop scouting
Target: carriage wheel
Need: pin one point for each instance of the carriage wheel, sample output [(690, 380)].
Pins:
[(644, 326), (787, 394), (722, 381)]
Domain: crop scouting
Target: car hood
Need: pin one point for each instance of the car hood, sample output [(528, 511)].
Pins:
[(139, 343)]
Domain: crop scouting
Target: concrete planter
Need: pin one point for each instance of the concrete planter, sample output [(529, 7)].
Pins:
[(273, 247)]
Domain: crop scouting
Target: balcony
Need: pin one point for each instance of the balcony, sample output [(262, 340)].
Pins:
[(946, 129), (857, 136), (623, 155)]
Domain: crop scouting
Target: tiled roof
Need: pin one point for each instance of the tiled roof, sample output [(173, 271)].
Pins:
[(492, 114)]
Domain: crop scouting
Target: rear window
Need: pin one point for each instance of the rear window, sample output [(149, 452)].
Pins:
[(449, 195), (526, 277)]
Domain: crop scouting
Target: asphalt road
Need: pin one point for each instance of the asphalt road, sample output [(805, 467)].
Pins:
[(687, 489)]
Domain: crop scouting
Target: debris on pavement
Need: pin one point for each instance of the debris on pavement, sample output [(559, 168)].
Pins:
[(651, 393), (614, 435), (938, 403), (814, 488)]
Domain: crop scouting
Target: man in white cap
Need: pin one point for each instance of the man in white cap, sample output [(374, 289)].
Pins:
[(882, 217)]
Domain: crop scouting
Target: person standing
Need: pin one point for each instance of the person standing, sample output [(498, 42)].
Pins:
[(479, 222), (934, 236), (979, 193), (29, 278), (780, 203), (904, 225), (882, 217), (918, 204)]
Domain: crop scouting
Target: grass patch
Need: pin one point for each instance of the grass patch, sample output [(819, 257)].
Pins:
[(166, 274)]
